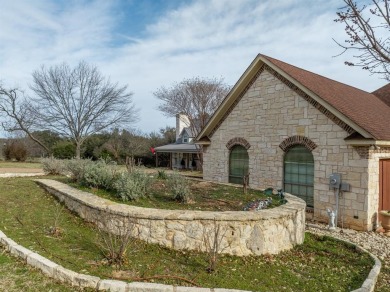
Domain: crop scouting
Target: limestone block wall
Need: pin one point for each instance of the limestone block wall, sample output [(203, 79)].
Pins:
[(267, 114), (245, 233)]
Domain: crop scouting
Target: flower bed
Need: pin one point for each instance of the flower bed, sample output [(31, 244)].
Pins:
[(244, 233)]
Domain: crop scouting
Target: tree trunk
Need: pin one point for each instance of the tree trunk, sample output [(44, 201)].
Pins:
[(78, 150)]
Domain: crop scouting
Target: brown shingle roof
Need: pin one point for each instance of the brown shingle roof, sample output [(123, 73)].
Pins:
[(383, 93), (365, 109)]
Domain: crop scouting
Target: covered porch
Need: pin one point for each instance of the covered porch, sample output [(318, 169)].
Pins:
[(181, 156)]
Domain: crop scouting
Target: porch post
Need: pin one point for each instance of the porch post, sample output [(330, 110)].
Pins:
[(156, 159)]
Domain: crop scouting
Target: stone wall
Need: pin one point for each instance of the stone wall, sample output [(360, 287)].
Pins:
[(245, 233), (270, 112)]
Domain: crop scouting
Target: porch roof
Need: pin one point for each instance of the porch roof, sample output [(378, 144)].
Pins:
[(177, 148)]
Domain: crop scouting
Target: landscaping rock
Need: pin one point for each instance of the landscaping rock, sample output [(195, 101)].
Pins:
[(7, 242), (20, 251), (113, 286), (65, 275), (192, 289), (46, 266), (86, 281), (149, 287)]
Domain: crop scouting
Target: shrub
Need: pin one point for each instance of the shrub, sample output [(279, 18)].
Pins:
[(179, 187), (114, 239), (131, 186), (76, 168), (100, 174), (7, 152), (19, 151), (53, 166), (15, 149), (64, 150), (162, 175)]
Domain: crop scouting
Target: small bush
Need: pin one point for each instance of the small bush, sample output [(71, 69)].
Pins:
[(179, 187), (15, 149), (100, 174), (131, 186), (7, 152), (19, 151), (76, 168), (115, 239), (53, 166), (64, 150), (162, 175)]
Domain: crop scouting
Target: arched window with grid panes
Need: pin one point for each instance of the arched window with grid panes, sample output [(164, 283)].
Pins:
[(299, 173), (238, 164)]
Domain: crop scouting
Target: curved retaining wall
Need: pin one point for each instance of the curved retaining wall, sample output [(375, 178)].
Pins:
[(244, 233)]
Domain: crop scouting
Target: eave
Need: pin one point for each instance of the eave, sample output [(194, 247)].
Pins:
[(368, 142)]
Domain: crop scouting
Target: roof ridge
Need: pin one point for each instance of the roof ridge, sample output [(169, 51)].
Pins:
[(313, 73)]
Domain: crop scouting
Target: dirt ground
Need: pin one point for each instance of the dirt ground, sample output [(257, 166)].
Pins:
[(20, 170)]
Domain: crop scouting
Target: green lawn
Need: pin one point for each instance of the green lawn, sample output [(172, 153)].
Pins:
[(27, 214), (16, 276)]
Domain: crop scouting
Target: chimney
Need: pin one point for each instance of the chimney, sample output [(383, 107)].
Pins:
[(182, 121)]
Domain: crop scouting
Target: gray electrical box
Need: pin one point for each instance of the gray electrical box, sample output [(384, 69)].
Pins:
[(345, 187), (335, 181)]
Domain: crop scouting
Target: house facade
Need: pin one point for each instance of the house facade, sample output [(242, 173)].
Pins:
[(292, 129), (183, 153)]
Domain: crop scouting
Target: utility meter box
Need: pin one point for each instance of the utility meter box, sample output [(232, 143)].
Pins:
[(335, 181)]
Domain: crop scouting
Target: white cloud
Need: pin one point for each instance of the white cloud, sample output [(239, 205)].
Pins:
[(198, 38)]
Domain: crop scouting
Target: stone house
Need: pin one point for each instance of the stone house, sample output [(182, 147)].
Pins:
[(184, 149), (292, 129)]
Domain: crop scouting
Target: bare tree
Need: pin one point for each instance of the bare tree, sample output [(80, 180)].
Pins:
[(367, 27), (77, 102), (18, 114), (127, 143), (197, 98)]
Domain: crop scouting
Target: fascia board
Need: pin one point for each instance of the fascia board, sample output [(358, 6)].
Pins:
[(361, 142)]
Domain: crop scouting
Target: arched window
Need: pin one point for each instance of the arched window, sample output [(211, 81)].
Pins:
[(238, 164), (299, 173)]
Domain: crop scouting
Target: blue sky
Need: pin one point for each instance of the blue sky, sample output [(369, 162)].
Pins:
[(149, 44)]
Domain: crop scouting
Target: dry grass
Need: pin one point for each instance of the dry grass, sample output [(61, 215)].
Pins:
[(16, 276), (21, 165)]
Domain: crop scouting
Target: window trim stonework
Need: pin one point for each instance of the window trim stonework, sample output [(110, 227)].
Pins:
[(297, 140), (238, 141)]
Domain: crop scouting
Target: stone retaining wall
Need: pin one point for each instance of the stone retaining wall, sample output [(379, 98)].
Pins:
[(245, 233)]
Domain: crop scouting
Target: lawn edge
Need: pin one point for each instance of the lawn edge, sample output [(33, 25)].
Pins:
[(59, 273), (370, 282)]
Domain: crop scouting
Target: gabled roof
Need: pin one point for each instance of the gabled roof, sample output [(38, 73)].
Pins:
[(188, 131), (363, 112), (383, 93)]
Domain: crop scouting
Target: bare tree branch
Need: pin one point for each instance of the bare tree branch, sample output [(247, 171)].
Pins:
[(367, 28), (196, 98), (18, 114)]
